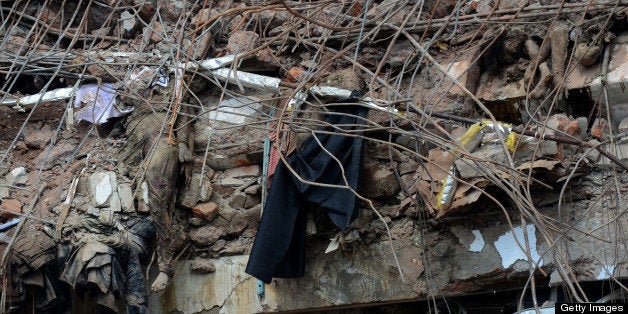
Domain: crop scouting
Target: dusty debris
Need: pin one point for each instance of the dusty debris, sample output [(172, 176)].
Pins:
[(196, 108)]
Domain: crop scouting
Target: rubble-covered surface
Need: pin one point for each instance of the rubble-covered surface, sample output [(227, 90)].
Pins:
[(136, 139)]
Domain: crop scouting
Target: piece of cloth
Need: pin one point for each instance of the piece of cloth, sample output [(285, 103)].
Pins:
[(282, 139), (161, 176), (279, 247), (107, 265)]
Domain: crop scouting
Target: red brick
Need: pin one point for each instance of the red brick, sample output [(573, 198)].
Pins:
[(207, 211), (10, 206), (599, 128)]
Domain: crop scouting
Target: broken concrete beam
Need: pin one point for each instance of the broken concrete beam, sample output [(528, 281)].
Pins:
[(243, 172)]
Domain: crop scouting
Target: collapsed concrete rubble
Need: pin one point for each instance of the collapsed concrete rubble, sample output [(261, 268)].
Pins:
[(238, 156)]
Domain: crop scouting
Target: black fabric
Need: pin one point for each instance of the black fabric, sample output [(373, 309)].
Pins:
[(279, 247)]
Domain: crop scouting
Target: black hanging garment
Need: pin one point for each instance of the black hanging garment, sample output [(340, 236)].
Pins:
[(279, 248)]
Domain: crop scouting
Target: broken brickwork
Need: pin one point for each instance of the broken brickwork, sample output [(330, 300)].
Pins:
[(138, 142)]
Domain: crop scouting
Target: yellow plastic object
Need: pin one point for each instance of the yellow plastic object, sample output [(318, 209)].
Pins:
[(471, 139)]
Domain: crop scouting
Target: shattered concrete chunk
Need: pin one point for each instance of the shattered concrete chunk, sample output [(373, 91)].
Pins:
[(101, 188), (234, 248), (194, 191), (38, 138), (153, 33), (253, 189), (206, 235), (231, 182), (128, 24), (202, 266), (383, 182), (238, 200), (17, 176), (242, 41), (472, 241), (125, 193), (594, 154), (243, 172), (197, 222), (114, 202)]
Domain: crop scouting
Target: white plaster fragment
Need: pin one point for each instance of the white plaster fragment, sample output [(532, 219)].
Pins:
[(606, 272), (17, 176), (236, 110), (101, 188), (144, 187), (510, 252), (478, 243)]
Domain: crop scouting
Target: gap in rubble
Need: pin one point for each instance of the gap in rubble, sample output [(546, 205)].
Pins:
[(506, 111), (581, 104), (28, 85)]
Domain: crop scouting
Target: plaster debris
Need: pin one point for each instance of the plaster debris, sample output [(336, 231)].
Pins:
[(509, 250), (236, 110)]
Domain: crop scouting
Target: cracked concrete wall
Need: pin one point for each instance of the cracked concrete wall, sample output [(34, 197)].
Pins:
[(440, 259)]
